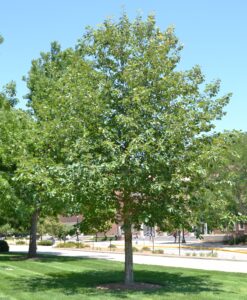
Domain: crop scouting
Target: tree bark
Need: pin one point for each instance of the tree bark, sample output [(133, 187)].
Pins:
[(183, 237), (179, 241), (129, 276), (32, 251)]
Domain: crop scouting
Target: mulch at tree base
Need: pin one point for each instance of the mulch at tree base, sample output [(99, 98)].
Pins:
[(137, 286)]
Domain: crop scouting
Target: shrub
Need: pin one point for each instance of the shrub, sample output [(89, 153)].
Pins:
[(158, 251), (19, 242), (4, 247), (80, 245), (104, 238), (241, 239), (212, 254), (112, 246), (72, 245), (134, 249), (145, 248), (194, 254), (237, 240), (66, 245), (187, 253), (45, 243)]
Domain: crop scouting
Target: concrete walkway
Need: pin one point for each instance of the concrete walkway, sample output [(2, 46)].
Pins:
[(161, 260)]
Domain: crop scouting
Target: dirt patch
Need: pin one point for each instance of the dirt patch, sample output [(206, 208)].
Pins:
[(137, 286)]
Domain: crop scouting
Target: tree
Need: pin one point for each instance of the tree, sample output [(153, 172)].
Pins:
[(12, 125), (152, 118), (52, 226), (237, 168), (232, 172), (30, 188), (27, 180), (135, 129)]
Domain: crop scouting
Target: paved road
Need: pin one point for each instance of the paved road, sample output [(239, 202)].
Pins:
[(188, 262)]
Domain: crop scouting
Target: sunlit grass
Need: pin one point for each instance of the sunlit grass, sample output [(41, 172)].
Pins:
[(58, 278)]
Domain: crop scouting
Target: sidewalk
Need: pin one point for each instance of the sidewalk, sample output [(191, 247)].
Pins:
[(181, 262)]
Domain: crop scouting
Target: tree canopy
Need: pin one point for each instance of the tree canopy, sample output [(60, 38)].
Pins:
[(130, 131)]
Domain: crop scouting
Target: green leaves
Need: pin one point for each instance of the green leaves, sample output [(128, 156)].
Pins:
[(120, 117)]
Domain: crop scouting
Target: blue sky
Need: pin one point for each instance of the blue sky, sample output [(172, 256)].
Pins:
[(214, 34)]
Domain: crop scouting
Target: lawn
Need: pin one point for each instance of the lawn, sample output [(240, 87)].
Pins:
[(58, 278)]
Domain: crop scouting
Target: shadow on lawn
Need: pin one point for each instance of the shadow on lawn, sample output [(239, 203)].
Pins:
[(86, 281), (71, 283)]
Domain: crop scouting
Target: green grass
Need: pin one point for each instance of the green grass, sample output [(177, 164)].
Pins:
[(58, 278)]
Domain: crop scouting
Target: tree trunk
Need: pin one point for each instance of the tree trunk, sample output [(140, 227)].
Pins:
[(183, 237), (129, 276), (32, 252), (179, 242)]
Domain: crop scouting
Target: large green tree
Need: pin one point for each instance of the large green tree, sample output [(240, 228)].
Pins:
[(131, 129)]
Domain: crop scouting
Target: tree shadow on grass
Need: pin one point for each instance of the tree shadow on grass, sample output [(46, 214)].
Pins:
[(85, 281), (72, 283)]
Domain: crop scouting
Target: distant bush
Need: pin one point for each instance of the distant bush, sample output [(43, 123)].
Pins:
[(72, 245), (20, 242), (212, 254), (145, 248), (45, 243), (4, 247), (158, 251), (66, 245), (240, 239), (104, 238), (81, 245), (112, 246), (134, 249)]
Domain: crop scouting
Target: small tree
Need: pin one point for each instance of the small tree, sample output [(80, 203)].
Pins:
[(52, 226)]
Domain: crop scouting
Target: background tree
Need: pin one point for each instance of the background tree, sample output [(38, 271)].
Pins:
[(52, 226), (229, 177), (12, 126), (237, 167), (27, 182)]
